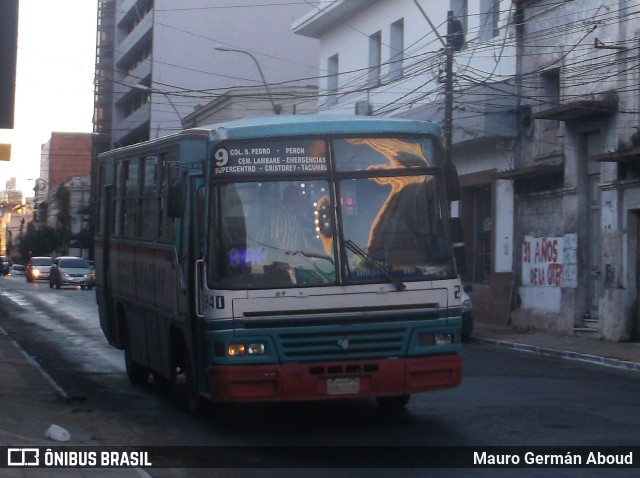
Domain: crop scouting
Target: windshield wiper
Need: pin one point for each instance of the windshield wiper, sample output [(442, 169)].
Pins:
[(353, 247)]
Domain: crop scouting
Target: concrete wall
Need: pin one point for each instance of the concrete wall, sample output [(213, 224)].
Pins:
[(588, 44)]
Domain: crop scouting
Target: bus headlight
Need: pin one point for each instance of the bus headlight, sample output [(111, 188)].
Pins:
[(435, 339), (255, 349), (443, 339), (235, 350)]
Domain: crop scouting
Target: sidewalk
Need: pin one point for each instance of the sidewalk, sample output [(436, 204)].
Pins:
[(623, 355), (30, 402)]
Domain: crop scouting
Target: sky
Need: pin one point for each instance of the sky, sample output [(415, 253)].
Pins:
[(54, 81)]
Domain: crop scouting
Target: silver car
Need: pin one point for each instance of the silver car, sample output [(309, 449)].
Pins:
[(68, 270)]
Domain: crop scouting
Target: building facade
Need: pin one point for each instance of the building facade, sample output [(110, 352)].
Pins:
[(65, 155), (158, 60), (14, 214), (68, 211), (576, 176), (237, 103)]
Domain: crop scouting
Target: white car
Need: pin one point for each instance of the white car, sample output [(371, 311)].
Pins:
[(467, 315), (38, 268)]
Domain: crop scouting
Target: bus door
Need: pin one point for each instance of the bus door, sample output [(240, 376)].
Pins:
[(191, 254)]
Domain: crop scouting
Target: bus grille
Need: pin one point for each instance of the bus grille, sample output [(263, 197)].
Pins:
[(336, 345)]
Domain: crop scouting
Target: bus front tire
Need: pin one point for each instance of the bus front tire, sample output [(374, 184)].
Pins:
[(195, 403)]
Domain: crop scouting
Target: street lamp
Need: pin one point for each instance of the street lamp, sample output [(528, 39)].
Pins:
[(276, 109), (166, 95)]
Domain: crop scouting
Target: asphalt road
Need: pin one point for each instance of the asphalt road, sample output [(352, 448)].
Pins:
[(507, 398)]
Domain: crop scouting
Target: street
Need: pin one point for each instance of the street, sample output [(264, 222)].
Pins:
[(507, 398)]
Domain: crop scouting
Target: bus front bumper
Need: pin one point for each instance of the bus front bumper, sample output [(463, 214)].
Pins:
[(333, 380)]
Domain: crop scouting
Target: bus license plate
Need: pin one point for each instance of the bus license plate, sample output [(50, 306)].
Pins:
[(343, 386)]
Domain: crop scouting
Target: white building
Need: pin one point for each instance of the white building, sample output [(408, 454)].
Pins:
[(387, 58), (237, 103), (67, 210), (157, 60)]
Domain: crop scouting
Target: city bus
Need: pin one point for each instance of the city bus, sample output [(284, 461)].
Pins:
[(285, 258)]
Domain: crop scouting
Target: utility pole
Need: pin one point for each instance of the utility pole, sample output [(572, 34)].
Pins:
[(453, 43), (455, 40)]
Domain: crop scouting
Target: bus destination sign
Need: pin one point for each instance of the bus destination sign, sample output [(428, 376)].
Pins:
[(271, 157)]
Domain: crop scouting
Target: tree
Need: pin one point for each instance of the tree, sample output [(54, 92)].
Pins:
[(62, 197), (39, 242), (82, 239)]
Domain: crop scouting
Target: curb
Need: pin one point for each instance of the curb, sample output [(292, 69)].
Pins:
[(564, 354)]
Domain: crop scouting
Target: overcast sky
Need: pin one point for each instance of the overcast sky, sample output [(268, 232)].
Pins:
[(54, 84)]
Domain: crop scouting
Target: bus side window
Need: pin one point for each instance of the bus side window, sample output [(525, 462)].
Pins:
[(148, 202), (175, 207), (166, 223)]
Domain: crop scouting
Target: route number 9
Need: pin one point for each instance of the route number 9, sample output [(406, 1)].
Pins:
[(221, 156)]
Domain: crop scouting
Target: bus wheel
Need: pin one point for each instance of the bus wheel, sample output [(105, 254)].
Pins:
[(195, 403), (392, 404), (138, 374)]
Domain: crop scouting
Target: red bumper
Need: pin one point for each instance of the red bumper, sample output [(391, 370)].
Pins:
[(333, 380)]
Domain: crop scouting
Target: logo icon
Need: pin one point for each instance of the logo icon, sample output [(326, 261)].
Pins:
[(343, 344), (23, 457)]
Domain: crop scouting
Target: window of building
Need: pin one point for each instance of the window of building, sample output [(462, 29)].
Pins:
[(489, 17), (460, 9), (375, 59), (332, 80), (396, 49), (550, 95), (482, 229)]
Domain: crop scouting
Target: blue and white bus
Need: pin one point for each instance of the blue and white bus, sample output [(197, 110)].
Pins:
[(282, 258)]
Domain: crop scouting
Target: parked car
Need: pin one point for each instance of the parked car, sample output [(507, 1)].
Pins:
[(5, 266), (38, 268), (467, 314), (68, 270), (18, 270)]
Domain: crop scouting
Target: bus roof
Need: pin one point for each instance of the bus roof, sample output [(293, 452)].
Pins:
[(288, 125)]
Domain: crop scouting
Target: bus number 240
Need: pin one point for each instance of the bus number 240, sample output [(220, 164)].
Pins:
[(214, 302)]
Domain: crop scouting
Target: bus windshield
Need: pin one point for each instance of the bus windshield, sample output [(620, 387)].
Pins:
[(366, 217), (269, 234)]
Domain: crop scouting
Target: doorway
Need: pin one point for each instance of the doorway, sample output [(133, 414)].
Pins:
[(592, 145)]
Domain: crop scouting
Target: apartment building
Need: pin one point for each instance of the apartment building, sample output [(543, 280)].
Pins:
[(159, 60), (63, 156)]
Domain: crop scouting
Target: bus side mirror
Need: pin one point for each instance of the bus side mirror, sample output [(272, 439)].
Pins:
[(452, 181), (176, 198)]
